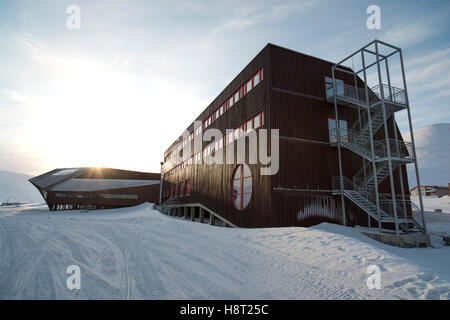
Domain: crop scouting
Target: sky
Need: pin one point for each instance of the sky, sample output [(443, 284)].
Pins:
[(119, 90)]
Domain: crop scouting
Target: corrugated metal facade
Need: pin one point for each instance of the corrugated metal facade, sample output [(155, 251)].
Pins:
[(292, 96)]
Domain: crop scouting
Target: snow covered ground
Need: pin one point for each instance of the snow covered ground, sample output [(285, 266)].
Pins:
[(139, 253), (433, 202)]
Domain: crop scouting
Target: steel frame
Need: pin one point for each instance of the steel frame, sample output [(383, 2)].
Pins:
[(379, 59)]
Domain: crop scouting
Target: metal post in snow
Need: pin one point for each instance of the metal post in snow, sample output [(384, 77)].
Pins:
[(394, 128), (388, 148), (416, 167), (338, 134), (372, 149)]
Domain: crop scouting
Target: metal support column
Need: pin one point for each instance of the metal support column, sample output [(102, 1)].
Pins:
[(394, 128), (372, 148), (412, 140), (388, 148), (338, 136)]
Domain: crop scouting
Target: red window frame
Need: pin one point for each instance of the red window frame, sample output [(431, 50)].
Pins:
[(241, 192), (182, 189), (188, 188)]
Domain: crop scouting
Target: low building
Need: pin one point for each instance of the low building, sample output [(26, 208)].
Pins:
[(439, 191), (96, 188)]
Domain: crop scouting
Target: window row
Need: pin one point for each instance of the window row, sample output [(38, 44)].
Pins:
[(254, 80), (179, 190), (241, 130), (235, 97), (93, 195)]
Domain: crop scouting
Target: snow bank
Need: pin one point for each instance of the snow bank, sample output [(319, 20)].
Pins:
[(433, 202), (139, 253)]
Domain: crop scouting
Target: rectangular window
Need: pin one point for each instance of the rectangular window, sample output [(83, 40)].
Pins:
[(236, 134), (249, 86), (182, 189), (217, 113), (230, 137), (241, 92), (257, 121), (221, 110), (188, 188), (118, 196), (256, 79), (230, 102), (236, 96), (329, 86), (333, 132), (249, 125)]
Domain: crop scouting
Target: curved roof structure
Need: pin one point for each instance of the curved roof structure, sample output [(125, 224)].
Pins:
[(68, 185)]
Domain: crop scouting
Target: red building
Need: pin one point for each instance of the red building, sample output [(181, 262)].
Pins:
[(294, 93)]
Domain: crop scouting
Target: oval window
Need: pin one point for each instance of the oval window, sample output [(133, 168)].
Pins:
[(241, 186)]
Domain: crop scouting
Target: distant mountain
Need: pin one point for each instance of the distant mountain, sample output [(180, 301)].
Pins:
[(15, 187), (433, 154)]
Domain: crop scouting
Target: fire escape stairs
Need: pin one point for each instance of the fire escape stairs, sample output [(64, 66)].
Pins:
[(361, 191)]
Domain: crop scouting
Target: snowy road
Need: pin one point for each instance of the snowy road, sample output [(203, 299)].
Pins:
[(138, 253)]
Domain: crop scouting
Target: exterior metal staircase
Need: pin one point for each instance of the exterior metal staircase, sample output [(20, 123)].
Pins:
[(375, 106), (361, 190), (408, 214)]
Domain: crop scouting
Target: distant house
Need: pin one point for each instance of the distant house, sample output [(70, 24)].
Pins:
[(439, 191)]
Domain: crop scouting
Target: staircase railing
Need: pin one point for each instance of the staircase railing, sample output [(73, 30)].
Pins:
[(380, 149), (386, 204), (392, 94), (409, 211), (364, 142), (353, 93), (405, 149), (364, 123), (365, 193)]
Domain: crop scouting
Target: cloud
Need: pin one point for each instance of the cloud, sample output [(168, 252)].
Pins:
[(429, 73), (246, 17), (15, 96), (407, 34)]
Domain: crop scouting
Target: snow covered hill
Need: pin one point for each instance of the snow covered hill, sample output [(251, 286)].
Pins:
[(17, 188), (139, 253), (433, 154)]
